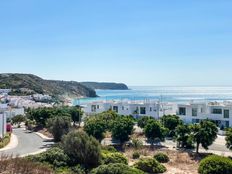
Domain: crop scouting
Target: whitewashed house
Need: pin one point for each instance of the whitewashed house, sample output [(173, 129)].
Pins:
[(135, 108), (220, 112), (3, 120)]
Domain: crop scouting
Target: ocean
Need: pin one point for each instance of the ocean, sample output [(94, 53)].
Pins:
[(164, 93)]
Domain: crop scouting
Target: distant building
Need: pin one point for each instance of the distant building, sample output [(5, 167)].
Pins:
[(12, 112), (220, 112), (135, 108)]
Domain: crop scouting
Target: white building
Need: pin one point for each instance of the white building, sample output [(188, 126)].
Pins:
[(12, 112), (192, 112), (134, 108), (3, 108)]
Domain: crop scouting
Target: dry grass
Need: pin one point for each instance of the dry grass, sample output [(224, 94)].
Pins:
[(180, 162), (9, 165), (45, 132)]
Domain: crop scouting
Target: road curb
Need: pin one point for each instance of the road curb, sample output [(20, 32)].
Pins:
[(43, 136), (13, 143)]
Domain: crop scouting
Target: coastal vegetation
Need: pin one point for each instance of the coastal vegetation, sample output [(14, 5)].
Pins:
[(103, 85), (88, 147), (27, 84), (5, 140)]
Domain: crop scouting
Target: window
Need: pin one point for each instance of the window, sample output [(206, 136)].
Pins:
[(217, 111), (150, 109), (202, 110), (227, 124), (194, 112), (115, 108), (194, 121), (93, 108), (97, 106), (122, 107), (142, 110), (226, 113), (182, 111)]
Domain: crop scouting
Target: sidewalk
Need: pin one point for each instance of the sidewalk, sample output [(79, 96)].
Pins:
[(13, 143)]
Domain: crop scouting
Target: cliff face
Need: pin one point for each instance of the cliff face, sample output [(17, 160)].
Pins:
[(24, 84), (103, 85)]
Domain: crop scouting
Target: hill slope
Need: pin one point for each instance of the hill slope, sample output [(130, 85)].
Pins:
[(29, 84), (103, 85)]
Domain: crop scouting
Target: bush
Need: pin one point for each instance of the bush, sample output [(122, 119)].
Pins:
[(78, 170), (5, 141), (116, 169), (215, 165), (150, 166), (161, 157), (82, 149), (54, 156), (59, 126), (115, 157), (136, 155), (109, 148)]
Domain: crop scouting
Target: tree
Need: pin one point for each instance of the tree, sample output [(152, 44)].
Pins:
[(58, 126), (142, 121), (122, 128), (171, 122), (204, 133), (96, 127), (154, 130), (82, 149), (229, 138), (183, 136), (76, 114), (18, 119)]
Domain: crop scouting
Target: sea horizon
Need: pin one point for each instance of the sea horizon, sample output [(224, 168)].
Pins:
[(178, 94)]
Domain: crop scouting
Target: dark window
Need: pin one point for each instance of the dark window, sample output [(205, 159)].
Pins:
[(227, 124), (150, 109), (122, 107), (182, 111), (93, 108), (217, 111), (194, 112), (142, 110), (97, 106), (115, 108), (226, 113)]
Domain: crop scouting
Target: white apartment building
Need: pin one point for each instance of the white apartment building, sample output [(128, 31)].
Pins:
[(3, 108), (134, 108), (220, 112)]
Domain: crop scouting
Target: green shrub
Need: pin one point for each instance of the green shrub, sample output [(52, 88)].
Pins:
[(54, 156), (109, 148), (78, 170), (161, 157), (116, 157), (64, 170), (150, 166), (116, 169), (136, 155), (82, 149), (215, 165), (5, 141)]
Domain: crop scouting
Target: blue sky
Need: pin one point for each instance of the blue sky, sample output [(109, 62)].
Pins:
[(138, 42)]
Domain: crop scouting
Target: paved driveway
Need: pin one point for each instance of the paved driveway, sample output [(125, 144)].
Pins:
[(28, 143)]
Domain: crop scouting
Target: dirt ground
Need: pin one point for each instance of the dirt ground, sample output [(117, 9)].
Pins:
[(180, 162)]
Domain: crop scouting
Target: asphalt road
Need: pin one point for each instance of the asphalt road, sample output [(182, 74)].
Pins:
[(28, 143)]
